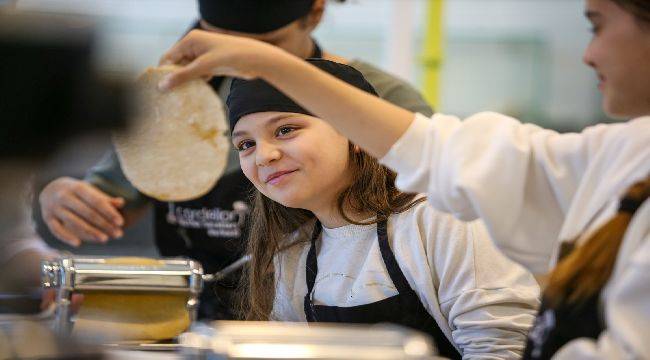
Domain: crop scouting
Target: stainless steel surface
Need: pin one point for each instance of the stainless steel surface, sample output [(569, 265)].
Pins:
[(98, 274), (280, 340)]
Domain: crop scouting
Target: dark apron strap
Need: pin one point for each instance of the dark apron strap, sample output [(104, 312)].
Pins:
[(318, 52), (396, 274), (401, 284), (311, 270), (312, 262)]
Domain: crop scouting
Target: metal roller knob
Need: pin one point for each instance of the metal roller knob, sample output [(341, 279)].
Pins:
[(50, 274)]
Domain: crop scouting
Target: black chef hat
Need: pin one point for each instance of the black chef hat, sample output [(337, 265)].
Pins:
[(253, 16), (253, 96)]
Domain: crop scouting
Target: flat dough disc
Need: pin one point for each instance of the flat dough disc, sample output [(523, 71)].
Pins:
[(175, 150), (122, 316)]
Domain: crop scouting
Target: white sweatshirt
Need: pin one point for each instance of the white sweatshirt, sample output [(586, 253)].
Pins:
[(483, 302), (534, 188)]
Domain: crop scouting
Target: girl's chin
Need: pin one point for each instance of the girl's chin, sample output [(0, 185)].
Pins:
[(621, 110), (287, 200)]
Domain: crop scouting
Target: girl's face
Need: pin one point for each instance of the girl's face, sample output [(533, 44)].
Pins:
[(620, 53), (294, 159)]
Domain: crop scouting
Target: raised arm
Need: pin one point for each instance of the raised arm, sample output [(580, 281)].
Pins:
[(349, 110)]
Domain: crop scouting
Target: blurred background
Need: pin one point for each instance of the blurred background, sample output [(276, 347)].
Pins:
[(519, 57)]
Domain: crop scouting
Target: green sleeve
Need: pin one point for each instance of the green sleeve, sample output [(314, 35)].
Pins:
[(393, 89), (107, 175)]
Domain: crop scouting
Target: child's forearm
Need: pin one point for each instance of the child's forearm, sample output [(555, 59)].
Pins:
[(351, 111)]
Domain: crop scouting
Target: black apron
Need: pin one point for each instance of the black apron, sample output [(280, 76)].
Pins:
[(403, 309), (211, 230), (554, 327)]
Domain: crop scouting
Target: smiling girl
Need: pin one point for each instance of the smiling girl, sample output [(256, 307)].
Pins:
[(333, 239)]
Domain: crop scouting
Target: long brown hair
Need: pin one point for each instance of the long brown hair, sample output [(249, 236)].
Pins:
[(582, 273), (372, 189)]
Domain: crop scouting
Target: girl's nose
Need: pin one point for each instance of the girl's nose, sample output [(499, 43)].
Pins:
[(266, 154)]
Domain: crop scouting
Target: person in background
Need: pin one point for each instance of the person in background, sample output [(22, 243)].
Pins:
[(574, 203), (212, 228)]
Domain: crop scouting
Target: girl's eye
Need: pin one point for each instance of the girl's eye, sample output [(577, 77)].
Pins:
[(284, 130), (245, 145)]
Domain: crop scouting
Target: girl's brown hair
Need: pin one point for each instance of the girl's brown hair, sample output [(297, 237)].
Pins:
[(582, 273), (372, 189)]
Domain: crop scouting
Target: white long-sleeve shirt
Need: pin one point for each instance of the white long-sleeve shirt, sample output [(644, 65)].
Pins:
[(483, 302), (535, 188)]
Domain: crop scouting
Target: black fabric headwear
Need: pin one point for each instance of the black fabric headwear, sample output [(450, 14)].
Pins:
[(253, 16), (216, 81), (253, 96)]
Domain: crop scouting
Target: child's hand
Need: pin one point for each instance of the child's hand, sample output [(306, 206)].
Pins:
[(203, 54)]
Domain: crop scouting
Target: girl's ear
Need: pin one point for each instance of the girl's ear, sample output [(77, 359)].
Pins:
[(315, 15), (357, 149)]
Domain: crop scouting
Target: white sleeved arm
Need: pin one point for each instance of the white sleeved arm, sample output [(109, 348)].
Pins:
[(518, 178), (489, 301)]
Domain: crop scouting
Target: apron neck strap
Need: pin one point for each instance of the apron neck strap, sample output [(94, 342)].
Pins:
[(311, 267), (396, 274), (317, 52)]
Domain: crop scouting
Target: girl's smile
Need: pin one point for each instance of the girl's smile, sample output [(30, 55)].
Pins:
[(279, 177)]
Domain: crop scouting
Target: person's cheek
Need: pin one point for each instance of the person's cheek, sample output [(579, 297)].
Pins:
[(297, 151), (249, 169)]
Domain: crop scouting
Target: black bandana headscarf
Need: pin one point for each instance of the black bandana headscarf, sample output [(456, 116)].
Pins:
[(253, 16), (252, 96)]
